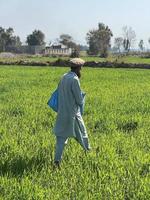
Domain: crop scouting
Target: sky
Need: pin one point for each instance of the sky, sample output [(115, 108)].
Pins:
[(75, 17)]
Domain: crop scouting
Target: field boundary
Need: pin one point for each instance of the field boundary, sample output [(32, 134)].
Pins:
[(65, 63)]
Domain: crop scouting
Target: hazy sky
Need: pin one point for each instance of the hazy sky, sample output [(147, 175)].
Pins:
[(75, 17)]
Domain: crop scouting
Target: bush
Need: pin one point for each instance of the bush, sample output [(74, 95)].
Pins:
[(75, 53)]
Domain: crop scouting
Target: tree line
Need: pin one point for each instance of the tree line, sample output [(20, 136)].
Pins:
[(98, 40), (36, 38)]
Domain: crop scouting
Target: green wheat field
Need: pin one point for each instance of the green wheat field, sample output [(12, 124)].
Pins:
[(117, 118)]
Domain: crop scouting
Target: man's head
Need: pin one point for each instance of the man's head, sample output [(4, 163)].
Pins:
[(76, 65)]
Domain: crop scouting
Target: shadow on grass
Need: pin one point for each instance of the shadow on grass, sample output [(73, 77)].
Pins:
[(18, 165), (128, 126), (145, 170)]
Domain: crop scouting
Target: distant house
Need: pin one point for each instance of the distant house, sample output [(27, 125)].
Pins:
[(57, 49)]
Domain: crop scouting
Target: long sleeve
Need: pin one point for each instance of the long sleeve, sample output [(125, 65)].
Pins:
[(77, 92)]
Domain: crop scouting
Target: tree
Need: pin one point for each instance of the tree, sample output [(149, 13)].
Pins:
[(141, 45), (68, 41), (36, 38), (129, 38), (149, 40), (2, 39), (75, 53), (118, 43), (7, 39), (99, 40), (92, 40)]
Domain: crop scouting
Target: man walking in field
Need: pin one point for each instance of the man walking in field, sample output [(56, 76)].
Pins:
[(69, 122)]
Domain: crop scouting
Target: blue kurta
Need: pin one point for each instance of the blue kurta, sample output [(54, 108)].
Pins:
[(69, 122)]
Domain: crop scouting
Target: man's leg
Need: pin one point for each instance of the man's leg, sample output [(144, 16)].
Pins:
[(81, 133), (60, 144)]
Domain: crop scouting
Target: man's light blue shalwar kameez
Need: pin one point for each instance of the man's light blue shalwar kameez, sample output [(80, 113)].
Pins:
[(69, 122)]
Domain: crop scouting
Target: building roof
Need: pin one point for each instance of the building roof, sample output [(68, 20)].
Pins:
[(57, 46)]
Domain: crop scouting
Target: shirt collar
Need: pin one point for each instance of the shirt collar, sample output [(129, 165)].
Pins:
[(73, 73)]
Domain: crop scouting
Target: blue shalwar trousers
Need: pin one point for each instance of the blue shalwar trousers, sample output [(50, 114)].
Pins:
[(60, 144)]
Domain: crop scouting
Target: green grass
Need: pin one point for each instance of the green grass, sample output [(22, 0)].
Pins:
[(31, 58), (126, 59), (117, 116), (134, 59), (45, 59)]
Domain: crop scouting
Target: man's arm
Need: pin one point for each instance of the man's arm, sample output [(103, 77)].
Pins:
[(77, 91)]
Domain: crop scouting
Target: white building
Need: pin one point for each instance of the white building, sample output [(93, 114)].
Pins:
[(58, 49)]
